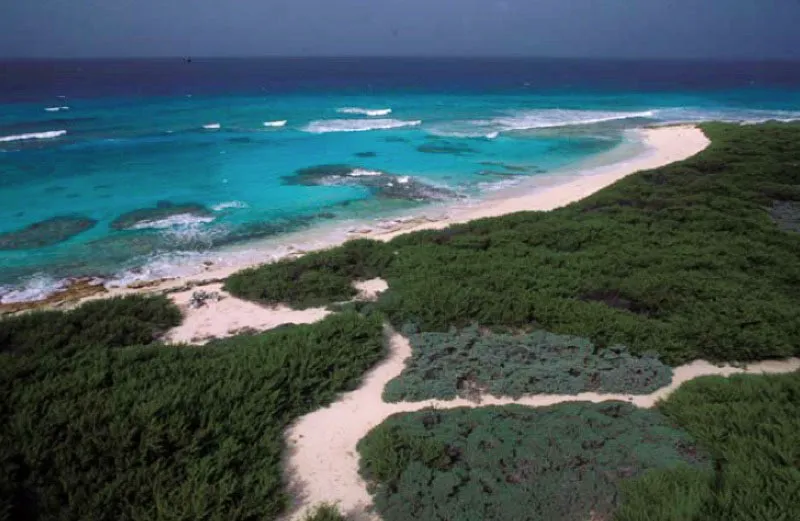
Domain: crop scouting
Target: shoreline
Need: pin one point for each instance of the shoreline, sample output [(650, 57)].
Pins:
[(660, 146)]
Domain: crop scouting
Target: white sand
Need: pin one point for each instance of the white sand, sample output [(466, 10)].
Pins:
[(664, 145), (370, 289), (226, 317), (323, 461)]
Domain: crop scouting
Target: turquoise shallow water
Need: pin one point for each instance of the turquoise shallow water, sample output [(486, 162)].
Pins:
[(232, 164)]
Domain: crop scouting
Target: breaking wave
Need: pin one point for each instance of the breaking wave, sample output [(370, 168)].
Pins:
[(50, 134), (182, 220), (212, 126), (56, 109), (364, 112), (357, 125), (532, 119), (279, 123), (229, 205)]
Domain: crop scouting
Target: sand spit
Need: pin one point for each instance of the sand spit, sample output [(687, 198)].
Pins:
[(323, 461)]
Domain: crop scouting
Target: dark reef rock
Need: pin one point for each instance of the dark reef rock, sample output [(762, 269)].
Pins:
[(365, 154), (162, 210), (46, 233), (444, 147), (381, 184), (510, 168)]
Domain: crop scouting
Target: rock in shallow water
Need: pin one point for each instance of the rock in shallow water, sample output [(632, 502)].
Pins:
[(162, 210), (381, 184), (46, 233)]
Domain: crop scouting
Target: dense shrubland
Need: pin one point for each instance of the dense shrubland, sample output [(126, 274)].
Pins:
[(685, 261), (469, 362), (109, 431), (735, 458), (559, 463)]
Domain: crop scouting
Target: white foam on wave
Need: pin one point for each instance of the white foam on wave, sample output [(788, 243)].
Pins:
[(50, 134), (37, 287), (279, 123), (732, 115), (364, 112), (532, 119), (360, 172), (173, 221), (212, 126), (229, 205), (357, 125), (550, 118), (56, 109)]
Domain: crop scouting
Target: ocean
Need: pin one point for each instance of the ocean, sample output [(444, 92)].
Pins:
[(140, 169)]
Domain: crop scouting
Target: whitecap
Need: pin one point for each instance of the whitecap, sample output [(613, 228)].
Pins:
[(212, 126), (56, 109), (356, 125), (37, 287), (549, 118), (359, 172), (364, 112), (50, 134), (492, 135), (173, 221), (229, 205), (279, 123)]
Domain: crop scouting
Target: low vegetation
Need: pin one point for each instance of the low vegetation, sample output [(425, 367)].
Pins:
[(469, 362), (751, 427), (93, 427), (685, 261), (559, 463), (114, 322)]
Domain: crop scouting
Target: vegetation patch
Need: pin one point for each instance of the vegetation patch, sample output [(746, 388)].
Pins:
[(751, 427), (114, 322), (682, 261), (165, 433), (315, 279), (563, 462), (467, 363), (46, 233)]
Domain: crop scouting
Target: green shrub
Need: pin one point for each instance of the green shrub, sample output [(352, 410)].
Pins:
[(316, 279), (325, 512), (751, 427), (114, 322), (498, 463), (684, 261), (467, 363), (168, 433)]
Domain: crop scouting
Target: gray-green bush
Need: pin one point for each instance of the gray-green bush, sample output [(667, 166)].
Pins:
[(468, 362)]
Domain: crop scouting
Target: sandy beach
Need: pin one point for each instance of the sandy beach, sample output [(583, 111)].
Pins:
[(660, 146)]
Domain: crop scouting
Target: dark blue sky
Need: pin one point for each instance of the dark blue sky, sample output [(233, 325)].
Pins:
[(584, 28)]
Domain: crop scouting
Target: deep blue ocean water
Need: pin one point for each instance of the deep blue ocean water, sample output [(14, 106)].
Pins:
[(230, 151)]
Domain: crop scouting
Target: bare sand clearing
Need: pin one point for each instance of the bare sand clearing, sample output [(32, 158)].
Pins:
[(230, 315), (370, 289), (323, 461)]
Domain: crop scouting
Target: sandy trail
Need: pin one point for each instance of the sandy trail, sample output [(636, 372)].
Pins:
[(230, 315), (323, 461)]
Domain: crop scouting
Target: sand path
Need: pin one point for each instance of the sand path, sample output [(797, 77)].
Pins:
[(323, 461)]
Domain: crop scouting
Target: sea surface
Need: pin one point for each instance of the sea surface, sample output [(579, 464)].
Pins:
[(139, 169)]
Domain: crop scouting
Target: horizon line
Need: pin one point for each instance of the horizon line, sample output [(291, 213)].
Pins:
[(398, 56)]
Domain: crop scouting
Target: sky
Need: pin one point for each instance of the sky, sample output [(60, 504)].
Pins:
[(728, 29)]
